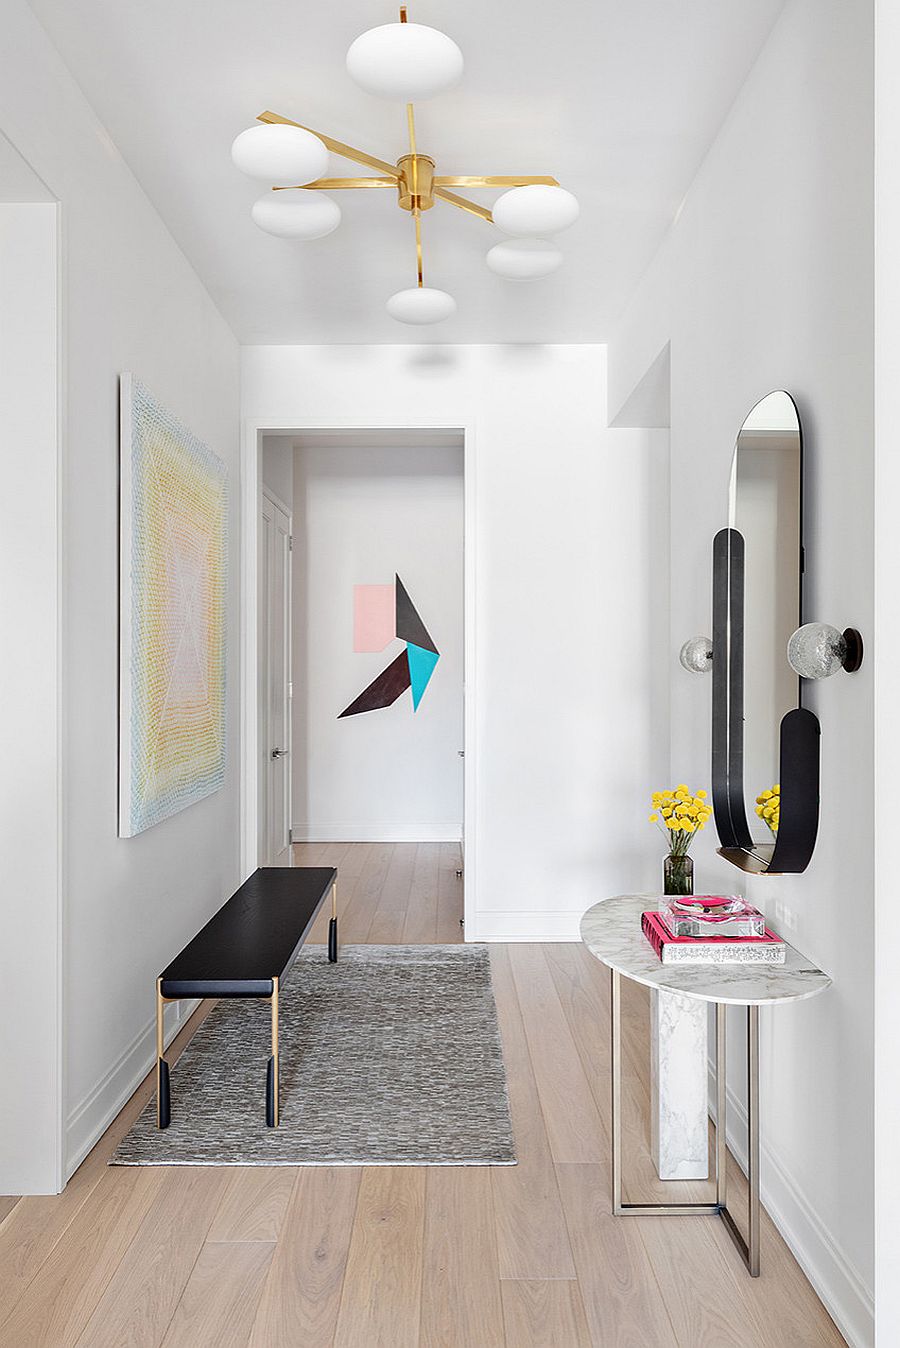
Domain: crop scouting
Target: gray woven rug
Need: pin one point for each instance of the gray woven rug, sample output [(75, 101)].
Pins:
[(392, 1056)]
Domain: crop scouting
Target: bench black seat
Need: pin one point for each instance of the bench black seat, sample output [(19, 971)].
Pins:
[(253, 938), (245, 950)]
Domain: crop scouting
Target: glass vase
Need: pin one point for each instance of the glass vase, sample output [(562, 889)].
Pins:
[(678, 874)]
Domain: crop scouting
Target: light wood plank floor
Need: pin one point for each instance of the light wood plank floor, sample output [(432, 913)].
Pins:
[(389, 1257)]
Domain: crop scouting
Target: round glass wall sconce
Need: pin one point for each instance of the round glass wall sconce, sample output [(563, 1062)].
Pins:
[(696, 655), (817, 650)]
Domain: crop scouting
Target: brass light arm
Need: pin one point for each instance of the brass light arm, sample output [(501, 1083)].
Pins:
[(339, 184), (511, 180), (463, 203), (416, 202), (336, 146), (420, 271)]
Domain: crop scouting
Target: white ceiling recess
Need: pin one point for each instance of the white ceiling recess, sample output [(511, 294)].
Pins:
[(18, 181), (618, 100)]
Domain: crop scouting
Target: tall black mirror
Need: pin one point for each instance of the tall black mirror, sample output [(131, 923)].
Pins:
[(764, 743)]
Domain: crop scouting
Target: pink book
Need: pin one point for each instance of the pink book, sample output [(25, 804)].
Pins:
[(765, 949)]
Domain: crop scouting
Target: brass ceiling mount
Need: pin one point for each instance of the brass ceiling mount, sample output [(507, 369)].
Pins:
[(415, 182)]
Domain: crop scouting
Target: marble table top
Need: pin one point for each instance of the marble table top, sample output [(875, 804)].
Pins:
[(611, 930)]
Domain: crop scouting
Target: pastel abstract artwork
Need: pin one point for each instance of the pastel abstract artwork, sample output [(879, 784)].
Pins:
[(173, 544), (375, 613), (374, 617)]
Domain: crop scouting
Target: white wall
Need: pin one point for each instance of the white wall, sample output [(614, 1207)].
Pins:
[(560, 552), (765, 282), (886, 659), (361, 514), (130, 301), (30, 859)]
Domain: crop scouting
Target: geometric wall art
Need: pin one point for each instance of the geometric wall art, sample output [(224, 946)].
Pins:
[(172, 589), (381, 613)]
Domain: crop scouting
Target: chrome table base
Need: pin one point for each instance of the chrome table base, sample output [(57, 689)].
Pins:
[(749, 1248)]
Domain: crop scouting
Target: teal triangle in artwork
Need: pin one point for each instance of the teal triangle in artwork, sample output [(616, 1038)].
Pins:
[(421, 668)]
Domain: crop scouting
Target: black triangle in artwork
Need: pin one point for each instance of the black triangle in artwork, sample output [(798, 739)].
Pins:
[(383, 691), (409, 625)]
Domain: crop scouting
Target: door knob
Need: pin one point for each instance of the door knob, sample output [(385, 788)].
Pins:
[(280, 753)]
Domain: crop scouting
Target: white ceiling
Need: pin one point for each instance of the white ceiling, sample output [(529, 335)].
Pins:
[(18, 181), (619, 99)]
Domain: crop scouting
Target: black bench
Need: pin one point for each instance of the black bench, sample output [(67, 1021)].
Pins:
[(245, 950)]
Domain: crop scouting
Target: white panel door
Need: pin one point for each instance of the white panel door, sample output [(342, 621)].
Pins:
[(275, 685)]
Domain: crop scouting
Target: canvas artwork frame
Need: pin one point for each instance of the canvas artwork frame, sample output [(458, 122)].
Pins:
[(173, 549)]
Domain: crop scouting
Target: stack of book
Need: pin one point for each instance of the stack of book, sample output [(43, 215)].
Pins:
[(711, 929)]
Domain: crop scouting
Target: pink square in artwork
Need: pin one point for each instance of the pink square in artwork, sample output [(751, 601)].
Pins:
[(374, 617)]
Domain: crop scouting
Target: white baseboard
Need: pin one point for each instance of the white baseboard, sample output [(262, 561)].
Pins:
[(849, 1302), (91, 1117), (442, 831), (514, 927)]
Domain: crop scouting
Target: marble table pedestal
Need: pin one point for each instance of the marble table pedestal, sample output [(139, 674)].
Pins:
[(679, 1086)]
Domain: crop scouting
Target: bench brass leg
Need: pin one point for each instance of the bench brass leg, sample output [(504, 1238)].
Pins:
[(332, 927), (163, 1101), (272, 1070)]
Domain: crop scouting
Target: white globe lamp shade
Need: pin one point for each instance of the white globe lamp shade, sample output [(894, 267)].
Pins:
[(535, 210), (696, 655), (421, 304), (818, 650), (296, 213), (284, 156), (405, 61), (524, 259)]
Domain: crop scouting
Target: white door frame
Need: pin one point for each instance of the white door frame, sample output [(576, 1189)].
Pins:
[(251, 489)]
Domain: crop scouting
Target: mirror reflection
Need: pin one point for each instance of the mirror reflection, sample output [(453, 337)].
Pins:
[(765, 507)]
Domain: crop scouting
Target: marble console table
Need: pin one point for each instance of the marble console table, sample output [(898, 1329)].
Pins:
[(611, 930)]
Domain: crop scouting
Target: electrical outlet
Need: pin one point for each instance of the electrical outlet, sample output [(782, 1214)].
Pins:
[(785, 917)]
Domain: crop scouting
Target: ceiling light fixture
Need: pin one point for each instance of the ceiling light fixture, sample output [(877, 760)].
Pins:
[(403, 61)]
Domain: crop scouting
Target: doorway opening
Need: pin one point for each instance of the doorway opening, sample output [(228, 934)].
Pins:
[(361, 645)]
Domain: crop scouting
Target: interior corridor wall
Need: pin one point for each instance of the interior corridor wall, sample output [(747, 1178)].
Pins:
[(564, 556), (765, 281), (886, 656), (30, 1101), (130, 301), (363, 513)]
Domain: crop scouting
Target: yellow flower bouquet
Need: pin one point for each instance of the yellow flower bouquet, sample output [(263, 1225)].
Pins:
[(680, 815), (768, 807)]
